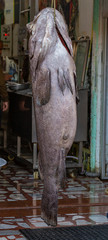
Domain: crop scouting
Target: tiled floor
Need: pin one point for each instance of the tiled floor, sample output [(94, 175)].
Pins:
[(84, 201)]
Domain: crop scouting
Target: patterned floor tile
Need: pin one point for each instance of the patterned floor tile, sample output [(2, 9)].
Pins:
[(82, 202)]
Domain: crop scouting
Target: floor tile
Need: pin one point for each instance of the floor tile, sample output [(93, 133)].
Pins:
[(82, 202)]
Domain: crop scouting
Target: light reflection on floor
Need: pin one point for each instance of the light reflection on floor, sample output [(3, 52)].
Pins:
[(82, 202)]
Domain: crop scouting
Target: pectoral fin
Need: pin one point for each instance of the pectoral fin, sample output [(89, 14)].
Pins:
[(64, 80), (43, 87)]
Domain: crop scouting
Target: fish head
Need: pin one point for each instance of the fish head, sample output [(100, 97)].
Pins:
[(45, 29)]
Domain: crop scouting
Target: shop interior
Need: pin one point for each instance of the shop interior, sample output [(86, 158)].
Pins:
[(84, 200)]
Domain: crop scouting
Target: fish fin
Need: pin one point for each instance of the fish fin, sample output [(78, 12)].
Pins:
[(49, 206), (67, 80), (64, 80), (76, 88), (43, 86), (60, 78)]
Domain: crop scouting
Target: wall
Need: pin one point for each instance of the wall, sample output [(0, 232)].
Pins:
[(9, 12), (85, 18)]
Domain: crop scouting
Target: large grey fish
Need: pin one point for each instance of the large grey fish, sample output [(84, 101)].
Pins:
[(53, 84)]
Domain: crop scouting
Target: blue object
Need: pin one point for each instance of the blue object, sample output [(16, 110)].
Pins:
[(3, 162)]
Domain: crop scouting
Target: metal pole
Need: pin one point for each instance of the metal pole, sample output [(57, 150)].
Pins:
[(5, 138), (18, 146), (36, 7), (35, 163), (94, 84)]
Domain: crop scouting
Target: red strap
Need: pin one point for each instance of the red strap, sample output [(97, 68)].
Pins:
[(71, 6)]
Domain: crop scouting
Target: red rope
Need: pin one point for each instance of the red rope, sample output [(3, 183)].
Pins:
[(70, 11)]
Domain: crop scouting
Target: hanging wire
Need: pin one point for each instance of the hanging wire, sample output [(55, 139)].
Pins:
[(53, 4), (54, 8)]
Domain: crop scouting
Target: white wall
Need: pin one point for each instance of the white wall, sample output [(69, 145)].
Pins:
[(85, 18), (9, 12)]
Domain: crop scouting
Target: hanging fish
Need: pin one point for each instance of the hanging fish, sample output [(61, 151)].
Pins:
[(53, 85)]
